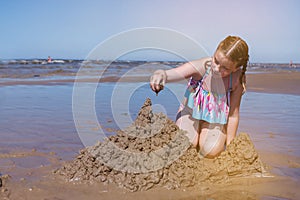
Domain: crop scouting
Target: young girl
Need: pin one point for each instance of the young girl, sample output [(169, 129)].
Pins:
[(210, 110)]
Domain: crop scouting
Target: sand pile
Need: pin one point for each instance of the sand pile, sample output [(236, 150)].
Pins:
[(154, 152)]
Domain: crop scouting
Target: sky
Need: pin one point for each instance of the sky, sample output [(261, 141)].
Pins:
[(71, 29)]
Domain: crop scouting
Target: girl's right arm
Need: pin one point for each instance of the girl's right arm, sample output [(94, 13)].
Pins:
[(195, 69)]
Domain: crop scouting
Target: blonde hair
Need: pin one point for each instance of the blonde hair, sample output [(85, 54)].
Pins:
[(236, 50)]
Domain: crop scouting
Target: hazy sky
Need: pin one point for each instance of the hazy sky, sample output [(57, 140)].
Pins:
[(72, 28)]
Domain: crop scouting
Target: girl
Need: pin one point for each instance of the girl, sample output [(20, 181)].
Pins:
[(210, 110)]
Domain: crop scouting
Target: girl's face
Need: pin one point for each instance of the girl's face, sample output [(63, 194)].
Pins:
[(221, 65)]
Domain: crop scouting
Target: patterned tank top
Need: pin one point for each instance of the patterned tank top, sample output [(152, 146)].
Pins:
[(206, 105)]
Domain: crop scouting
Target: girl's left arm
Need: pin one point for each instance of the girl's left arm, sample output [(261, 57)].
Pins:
[(234, 113)]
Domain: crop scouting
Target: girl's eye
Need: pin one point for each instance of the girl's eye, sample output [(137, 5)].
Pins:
[(225, 69)]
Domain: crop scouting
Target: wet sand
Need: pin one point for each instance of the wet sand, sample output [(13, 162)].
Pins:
[(284, 82), (274, 82), (28, 174), (47, 186)]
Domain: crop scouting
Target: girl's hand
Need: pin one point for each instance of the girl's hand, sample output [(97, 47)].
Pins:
[(158, 80)]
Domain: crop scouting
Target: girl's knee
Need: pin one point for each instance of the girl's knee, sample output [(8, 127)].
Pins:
[(214, 153), (212, 142)]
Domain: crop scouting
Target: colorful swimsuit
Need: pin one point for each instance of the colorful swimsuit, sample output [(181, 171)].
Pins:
[(206, 105)]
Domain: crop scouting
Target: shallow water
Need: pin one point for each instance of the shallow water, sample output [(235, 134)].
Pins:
[(41, 117), (272, 120), (38, 117)]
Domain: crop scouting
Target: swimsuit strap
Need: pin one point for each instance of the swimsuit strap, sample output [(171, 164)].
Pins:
[(230, 86), (229, 89), (206, 74), (207, 71)]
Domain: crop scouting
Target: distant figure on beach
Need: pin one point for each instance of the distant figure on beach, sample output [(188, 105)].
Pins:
[(291, 64), (49, 60), (210, 109)]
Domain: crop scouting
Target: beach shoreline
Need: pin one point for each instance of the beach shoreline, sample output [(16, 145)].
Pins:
[(283, 82)]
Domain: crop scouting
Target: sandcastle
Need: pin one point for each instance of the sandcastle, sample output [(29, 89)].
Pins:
[(154, 152)]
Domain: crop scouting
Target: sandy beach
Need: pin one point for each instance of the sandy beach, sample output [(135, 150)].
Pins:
[(285, 82), (34, 144)]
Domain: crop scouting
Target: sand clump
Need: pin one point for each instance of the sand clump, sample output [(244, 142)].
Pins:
[(153, 151), (4, 191)]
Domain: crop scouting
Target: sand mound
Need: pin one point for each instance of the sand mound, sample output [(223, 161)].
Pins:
[(154, 152)]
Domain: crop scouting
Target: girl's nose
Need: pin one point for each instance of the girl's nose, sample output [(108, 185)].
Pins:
[(217, 68)]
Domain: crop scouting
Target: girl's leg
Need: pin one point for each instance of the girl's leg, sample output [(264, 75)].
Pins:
[(185, 121), (212, 139)]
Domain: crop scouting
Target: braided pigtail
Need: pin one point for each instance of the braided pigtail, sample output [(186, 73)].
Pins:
[(243, 76)]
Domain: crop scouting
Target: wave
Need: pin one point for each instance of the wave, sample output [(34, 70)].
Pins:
[(37, 68)]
